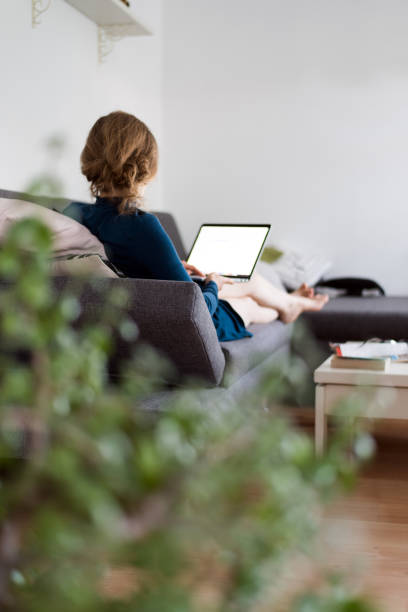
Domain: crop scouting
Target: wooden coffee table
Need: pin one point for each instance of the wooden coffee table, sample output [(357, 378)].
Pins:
[(384, 394)]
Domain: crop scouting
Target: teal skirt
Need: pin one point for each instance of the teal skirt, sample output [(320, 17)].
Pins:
[(228, 323)]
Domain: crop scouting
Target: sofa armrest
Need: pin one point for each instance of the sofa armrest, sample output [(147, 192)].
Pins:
[(172, 316)]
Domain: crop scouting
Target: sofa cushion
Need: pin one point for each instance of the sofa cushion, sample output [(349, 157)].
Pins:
[(81, 265), (360, 318), (245, 354), (69, 236), (50, 202)]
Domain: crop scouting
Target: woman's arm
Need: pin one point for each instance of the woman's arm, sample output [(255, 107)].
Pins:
[(162, 260), (158, 252), (210, 293)]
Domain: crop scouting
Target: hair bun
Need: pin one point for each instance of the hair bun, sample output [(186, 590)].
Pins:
[(119, 156)]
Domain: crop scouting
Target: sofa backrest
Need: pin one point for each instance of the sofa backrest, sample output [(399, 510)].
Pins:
[(165, 218), (170, 226)]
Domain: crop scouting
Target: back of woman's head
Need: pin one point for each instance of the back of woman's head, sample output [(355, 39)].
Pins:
[(119, 158)]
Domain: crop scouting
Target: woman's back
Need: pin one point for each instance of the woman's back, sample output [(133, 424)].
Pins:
[(135, 243)]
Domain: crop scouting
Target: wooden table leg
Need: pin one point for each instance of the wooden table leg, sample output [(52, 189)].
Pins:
[(320, 420)]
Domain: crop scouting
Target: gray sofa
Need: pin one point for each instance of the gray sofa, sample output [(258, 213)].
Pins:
[(173, 317)]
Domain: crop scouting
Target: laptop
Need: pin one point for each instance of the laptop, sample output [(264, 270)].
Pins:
[(229, 250)]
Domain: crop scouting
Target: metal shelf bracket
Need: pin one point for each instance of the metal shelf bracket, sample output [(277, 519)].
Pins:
[(38, 7), (108, 36)]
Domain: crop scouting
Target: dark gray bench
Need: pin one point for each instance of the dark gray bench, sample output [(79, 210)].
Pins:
[(360, 318)]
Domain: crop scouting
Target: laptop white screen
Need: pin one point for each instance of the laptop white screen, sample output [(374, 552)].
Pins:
[(230, 250)]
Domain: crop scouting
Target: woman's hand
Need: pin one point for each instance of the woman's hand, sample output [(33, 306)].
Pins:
[(219, 280), (192, 270)]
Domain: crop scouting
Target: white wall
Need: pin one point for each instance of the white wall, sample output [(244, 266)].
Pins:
[(51, 83), (293, 112)]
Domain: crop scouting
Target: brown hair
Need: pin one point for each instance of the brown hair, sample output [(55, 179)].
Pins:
[(119, 156)]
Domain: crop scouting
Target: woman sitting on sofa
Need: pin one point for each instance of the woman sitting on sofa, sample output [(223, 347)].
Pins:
[(119, 160)]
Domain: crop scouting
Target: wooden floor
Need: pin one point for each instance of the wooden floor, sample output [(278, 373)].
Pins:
[(369, 529), (365, 534)]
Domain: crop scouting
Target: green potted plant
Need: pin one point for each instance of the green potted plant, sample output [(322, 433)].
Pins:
[(105, 507)]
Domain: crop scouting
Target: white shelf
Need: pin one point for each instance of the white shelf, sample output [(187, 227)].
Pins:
[(112, 13)]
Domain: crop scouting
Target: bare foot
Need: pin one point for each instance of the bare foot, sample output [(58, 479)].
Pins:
[(298, 304), (304, 291)]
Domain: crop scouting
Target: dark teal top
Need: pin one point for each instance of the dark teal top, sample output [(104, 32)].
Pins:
[(139, 247)]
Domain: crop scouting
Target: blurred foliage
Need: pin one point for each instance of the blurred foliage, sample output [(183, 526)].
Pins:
[(107, 507), (47, 182), (333, 598), (307, 354)]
